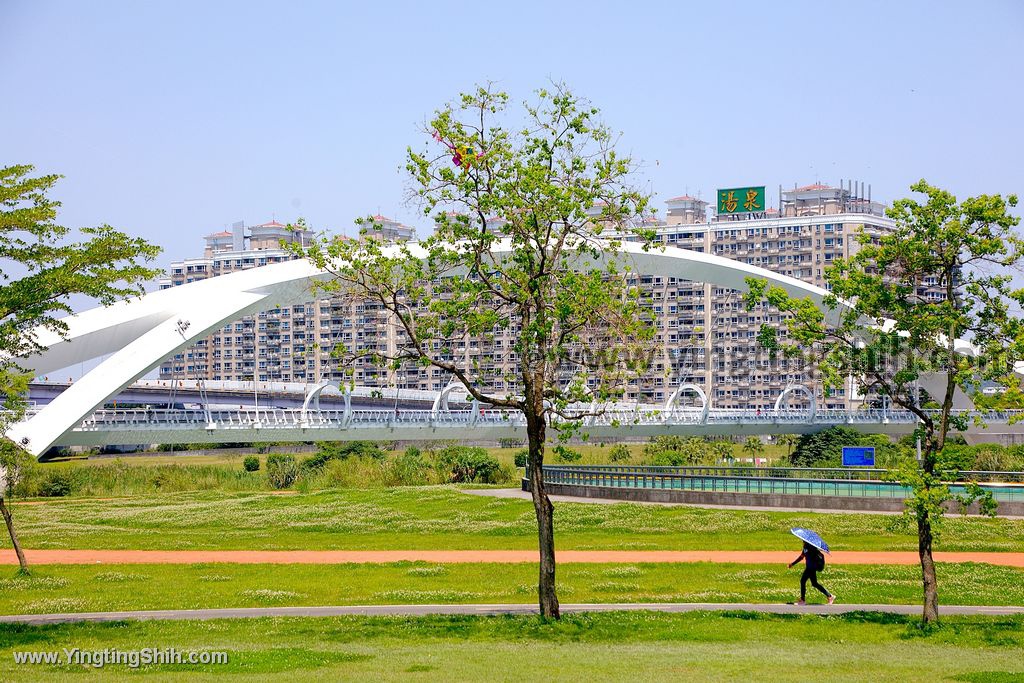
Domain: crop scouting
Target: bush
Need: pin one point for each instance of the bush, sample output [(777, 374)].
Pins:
[(677, 452), (251, 463), (824, 448), (565, 454), (341, 450), (509, 443), (56, 484), (521, 458), (282, 470), (465, 464), (620, 453)]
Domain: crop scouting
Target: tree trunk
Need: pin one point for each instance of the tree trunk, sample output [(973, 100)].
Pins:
[(9, 521), (545, 517), (931, 586)]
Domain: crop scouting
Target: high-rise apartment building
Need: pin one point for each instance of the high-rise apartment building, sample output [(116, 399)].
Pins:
[(705, 335)]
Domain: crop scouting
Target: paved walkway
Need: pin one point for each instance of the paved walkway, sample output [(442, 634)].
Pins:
[(8, 557), (488, 610)]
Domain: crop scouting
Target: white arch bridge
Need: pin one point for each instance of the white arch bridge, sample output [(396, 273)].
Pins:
[(139, 334), (106, 427)]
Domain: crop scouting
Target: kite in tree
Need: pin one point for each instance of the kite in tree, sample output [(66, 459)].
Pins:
[(463, 156)]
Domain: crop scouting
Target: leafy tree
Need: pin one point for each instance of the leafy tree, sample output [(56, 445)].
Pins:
[(884, 329), (824, 448), (565, 454), (722, 450), (787, 440), (676, 451), (528, 216), (754, 446), (41, 268), (620, 453)]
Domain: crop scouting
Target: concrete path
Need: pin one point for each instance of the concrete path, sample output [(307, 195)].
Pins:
[(489, 610), (42, 557)]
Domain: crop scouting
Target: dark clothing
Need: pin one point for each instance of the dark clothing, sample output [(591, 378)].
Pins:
[(812, 576), (812, 557), (814, 561)]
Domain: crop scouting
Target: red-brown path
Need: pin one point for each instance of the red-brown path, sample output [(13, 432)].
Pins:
[(473, 556)]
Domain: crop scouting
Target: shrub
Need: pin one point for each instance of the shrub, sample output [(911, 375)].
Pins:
[(282, 470), (509, 443), (620, 453), (521, 458), (565, 454), (464, 464), (410, 469), (824, 448), (677, 451), (251, 463), (341, 450), (56, 484)]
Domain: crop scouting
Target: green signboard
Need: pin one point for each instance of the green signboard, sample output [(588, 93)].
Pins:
[(741, 200)]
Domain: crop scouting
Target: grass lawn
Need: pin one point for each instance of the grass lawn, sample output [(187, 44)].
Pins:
[(615, 646), (442, 517), (85, 588)]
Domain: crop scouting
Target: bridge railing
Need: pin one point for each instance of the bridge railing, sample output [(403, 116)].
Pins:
[(769, 472), (644, 416)]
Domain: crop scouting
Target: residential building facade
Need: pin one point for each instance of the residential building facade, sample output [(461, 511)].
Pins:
[(705, 336)]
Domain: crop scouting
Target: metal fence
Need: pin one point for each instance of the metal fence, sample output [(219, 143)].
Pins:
[(723, 479)]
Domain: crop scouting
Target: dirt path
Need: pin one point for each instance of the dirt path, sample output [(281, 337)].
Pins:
[(473, 556)]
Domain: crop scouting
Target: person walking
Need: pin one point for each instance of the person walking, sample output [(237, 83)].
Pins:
[(814, 562)]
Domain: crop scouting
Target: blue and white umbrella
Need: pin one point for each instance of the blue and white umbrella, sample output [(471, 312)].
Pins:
[(811, 537)]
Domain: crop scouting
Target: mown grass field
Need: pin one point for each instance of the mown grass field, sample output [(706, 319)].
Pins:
[(613, 646), (442, 517), (78, 588)]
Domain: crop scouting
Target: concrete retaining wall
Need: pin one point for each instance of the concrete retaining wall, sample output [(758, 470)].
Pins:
[(790, 500)]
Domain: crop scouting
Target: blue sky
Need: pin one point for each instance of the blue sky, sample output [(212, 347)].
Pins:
[(171, 120)]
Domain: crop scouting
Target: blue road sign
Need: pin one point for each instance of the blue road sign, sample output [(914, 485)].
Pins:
[(858, 456)]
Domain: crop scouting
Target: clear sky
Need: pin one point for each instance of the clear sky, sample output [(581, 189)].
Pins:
[(173, 119)]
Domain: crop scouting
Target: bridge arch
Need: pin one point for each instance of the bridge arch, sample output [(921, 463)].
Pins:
[(670, 404), (313, 396), (141, 332), (797, 388)]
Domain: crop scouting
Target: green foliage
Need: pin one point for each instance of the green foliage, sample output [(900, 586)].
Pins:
[(106, 265), (754, 446), (824, 448), (468, 464), (541, 177), (882, 327), (282, 470), (125, 478), (56, 484), (620, 453), (251, 463), (14, 465), (676, 451), (342, 450), (566, 454), (521, 457)]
